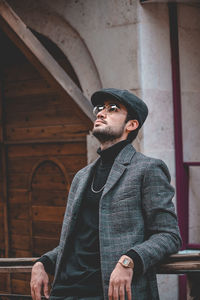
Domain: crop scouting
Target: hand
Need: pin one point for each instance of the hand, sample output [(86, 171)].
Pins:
[(120, 283), (39, 281)]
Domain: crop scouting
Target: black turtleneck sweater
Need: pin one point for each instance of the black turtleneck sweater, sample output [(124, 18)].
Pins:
[(80, 274)]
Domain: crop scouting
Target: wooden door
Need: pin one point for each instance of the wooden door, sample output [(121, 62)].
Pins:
[(45, 141)]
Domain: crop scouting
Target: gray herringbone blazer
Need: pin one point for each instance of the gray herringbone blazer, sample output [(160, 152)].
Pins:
[(135, 212)]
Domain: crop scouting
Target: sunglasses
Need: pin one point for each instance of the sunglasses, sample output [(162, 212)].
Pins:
[(109, 108)]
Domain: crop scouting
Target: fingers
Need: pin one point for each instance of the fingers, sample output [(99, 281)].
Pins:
[(128, 290), (46, 290), (121, 292), (35, 292), (120, 283), (115, 292), (39, 282), (110, 291)]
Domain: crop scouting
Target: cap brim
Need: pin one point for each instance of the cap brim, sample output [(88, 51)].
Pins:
[(101, 96)]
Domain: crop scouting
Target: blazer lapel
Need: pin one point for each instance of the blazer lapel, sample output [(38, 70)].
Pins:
[(120, 164), (76, 202)]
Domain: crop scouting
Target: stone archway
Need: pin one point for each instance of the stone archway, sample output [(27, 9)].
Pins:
[(53, 26)]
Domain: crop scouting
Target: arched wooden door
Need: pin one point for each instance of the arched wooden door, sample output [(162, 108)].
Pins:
[(40, 124), (48, 199)]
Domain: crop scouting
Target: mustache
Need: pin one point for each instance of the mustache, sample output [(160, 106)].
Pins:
[(102, 120)]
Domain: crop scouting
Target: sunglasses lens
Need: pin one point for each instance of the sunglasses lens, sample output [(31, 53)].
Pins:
[(109, 108), (112, 108), (97, 109)]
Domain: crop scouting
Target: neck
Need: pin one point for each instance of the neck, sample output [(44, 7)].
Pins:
[(108, 144)]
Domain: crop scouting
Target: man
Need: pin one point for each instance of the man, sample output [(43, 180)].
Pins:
[(120, 220)]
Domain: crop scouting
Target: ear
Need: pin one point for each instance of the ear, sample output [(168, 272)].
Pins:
[(132, 125)]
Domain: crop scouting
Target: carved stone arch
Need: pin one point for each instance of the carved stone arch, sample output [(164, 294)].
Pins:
[(57, 29), (48, 189)]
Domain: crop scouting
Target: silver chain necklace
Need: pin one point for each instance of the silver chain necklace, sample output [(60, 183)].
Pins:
[(92, 187)]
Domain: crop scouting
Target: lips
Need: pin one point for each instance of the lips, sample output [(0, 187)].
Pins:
[(98, 121)]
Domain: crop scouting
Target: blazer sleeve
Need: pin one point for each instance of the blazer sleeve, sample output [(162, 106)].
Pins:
[(162, 232), (49, 260)]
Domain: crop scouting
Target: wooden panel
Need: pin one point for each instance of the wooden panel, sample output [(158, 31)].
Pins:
[(54, 181), (27, 88), (41, 150), (2, 237), (20, 181), (38, 103), (22, 276), (12, 72), (71, 162), (40, 57), (49, 198), (58, 114), (48, 213), (19, 211), (51, 132), (43, 245), (20, 253), (39, 197), (48, 168), (47, 229), (3, 283), (19, 241), (37, 111), (19, 226), (20, 287), (18, 196)]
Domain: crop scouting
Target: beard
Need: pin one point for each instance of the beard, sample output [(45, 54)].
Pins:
[(108, 134)]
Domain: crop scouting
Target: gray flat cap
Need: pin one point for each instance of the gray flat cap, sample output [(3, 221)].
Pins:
[(128, 99)]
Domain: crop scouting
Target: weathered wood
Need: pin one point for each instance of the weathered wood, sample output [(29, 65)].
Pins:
[(19, 241), (15, 269), (41, 150), (16, 296), (3, 281), (19, 181), (19, 211), (18, 196), (40, 111), (40, 246), (21, 226), (50, 229), (20, 253), (40, 57), (49, 198), (42, 181), (71, 163), (27, 88), (4, 183), (27, 72), (43, 132), (38, 103), (20, 286), (49, 116), (8, 261), (180, 267), (48, 213)]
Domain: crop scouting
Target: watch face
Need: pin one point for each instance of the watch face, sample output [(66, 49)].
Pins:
[(126, 262)]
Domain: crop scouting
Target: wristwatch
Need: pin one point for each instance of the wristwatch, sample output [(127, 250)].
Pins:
[(126, 261)]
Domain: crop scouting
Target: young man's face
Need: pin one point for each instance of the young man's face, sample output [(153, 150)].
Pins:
[(110, 124)]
